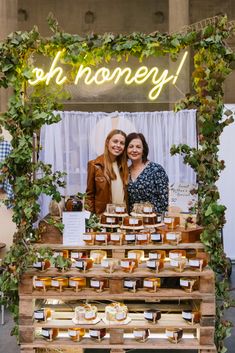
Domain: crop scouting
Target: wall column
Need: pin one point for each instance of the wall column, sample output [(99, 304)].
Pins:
[(8, 24), (178, 18)]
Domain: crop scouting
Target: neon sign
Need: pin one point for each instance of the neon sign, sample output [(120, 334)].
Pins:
[(103, 75)]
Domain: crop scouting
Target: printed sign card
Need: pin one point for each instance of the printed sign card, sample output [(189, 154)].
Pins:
[(180, 196), (74, 227)]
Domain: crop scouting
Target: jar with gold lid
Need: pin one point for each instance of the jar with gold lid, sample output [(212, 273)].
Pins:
[(152, 284), (128, 265), (99, 284), (142, 238), (171, 222), (188, 283), (42, 283), (173, 238), (76, 333), (109, 264), (157, 254), (136, 254), (49, 333), (174, 335), (77, 283), (155, 264), (60, 283), (84, 264), (89, 238), (177, 253), (98, 255), (178, 264), (116, 238)]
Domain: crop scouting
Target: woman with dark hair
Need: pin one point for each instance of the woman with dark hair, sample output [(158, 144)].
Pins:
[(108, 174), (148, 181)]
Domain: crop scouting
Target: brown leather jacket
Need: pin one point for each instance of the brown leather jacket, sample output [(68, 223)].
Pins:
[(98, 190)]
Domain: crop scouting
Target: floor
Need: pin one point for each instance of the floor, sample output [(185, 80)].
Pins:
[(8, 343)]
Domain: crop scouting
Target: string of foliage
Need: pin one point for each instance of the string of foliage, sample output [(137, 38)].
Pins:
[(29, 110)]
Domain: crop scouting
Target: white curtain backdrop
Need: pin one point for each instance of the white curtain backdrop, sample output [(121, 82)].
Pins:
[(80, 136)]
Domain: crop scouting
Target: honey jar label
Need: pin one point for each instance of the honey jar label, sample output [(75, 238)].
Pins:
[(110, 220), (169, 333), (171, 236), (125, 264), (55, 283), (38, 264), (72, 283), (129, 284), (130, 236), (79, 264), (133, 221), (76, 255), (148, 284), (187, 315), (153, 255), (115, 237), (148, 315), (87, 237), (147, 209), (167, 220), (38, 284), (95, 333), (39, 315), (95, 284), (89, 314), (46, 332), (156, 236), (105, 263), (151, 264), (159, 218), (120, 316), (72, 333), (184, 283), (119, 209), (142, 237), (132, 255), (139, 333), (57, 253), (194, 263), (100, 237), (174, 263), (174, 255)]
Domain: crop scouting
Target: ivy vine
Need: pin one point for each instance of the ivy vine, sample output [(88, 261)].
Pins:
[(29, 110)]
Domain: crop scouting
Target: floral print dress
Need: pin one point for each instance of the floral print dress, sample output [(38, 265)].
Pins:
[(151, 185)]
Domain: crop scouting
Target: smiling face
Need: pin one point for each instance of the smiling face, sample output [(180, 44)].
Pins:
[(135, 150), (116, 145)]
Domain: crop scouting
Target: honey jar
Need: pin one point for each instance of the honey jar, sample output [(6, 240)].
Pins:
[(42, 314), (130, 238), (84, 264), (155, 264), (175, 254), (42, 264), (178, 264), (156, 237), (76, 333), (102, 238), (174, 335), (191, 316), (77, 283), (188, 284), (171, 221), (49, 333), (128, 265), (136, 254), (197, 263), (142, 238), (98, 255), (59, 283), (157, 254), (42, 283), (109, 264), (86, 312), (140, 334), (132, 284), (88, 238), (77, 255), (173, 237), (97, 334), (152, 315), (152, 284), (99, 284), (116, 238)]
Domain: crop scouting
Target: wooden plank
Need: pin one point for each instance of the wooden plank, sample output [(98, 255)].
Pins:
[(206, 335), (207, 321), (26, 285), (208, 306), (116, 336), (26, 309), (115, 286), (27, 350), (207, 283), (26, 334), (118, 253)]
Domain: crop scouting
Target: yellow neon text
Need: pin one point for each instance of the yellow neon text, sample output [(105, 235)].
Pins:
[(103, 75)]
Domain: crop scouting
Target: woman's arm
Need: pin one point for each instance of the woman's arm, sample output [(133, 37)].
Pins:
[(162, 189), (91, 188)]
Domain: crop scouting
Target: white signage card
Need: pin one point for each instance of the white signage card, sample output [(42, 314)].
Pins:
[(180, 196), (74, 227)]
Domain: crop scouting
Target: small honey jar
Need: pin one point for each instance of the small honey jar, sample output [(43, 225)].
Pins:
[(140, 334), (171, 221), (178, 264), (102, 238), (188, 284), (132, 284), (157, 254), (42, 264), (75, 255), (191, 316), (116, 238), (88, 238), (97, 334), (174, 335), (98, 255), (77, 283), (49, 333), (136, 254), (142, 238), (130, 238), (86, 312), (42, 283), (152, 284), (109, 264), (42, 314), (128, 265), (99, 284), (152, 315), (84, 264), (173, 237), (157, 237), (59, 283), (176, 254), (76, 333), (155, 264), (197, 263)]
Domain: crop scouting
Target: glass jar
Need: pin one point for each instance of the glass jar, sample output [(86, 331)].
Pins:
[(140, 334), (97, 334), (109, 264), (136, 254), (188, 284), (132, 284), (42, 264), (155, 264), (191, 316), (173, 238), (99, 284), (59, 283), (42, 283), (77, 283), (174, 335), (42, 314), (152, 284), (178, 264), (116, 238), (98, 255), (89, 238), (157, 254), (84, 264), (49, 333), (128, 265), (76, 333), (152, 315), (142, 238), (130, 238)]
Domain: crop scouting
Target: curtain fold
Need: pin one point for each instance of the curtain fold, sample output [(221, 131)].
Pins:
[(80, 136)]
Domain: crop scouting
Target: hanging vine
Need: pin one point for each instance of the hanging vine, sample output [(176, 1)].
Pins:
[(29, 111)]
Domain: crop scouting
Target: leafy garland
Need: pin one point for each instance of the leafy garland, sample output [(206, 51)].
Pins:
[(27, 114)]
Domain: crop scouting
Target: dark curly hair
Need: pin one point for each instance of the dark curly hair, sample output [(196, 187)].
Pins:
[(135, 135)]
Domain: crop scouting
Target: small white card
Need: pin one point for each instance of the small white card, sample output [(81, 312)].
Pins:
[(74, 227)]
